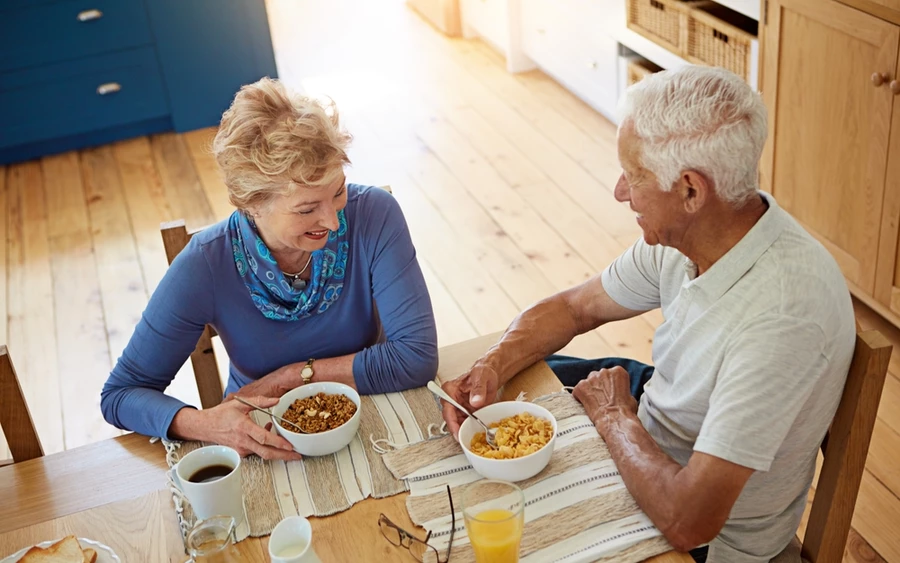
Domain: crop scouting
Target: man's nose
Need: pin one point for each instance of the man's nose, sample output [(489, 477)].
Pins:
[(622, 192)]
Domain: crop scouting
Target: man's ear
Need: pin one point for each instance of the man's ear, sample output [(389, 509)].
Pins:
[(695, 190)]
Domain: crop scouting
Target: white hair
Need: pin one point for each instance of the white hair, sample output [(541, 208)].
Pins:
[(699, 118)]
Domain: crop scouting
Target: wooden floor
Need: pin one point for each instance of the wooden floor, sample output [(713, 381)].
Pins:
[(506, 182)]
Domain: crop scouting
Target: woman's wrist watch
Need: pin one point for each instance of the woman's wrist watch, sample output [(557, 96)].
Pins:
[(307, 372)]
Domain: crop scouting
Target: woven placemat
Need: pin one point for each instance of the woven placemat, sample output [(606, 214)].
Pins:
[(577, 508), (321, 486)]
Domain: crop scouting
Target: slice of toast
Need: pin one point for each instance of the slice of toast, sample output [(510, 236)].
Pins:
[(90, 556), (66, 550)]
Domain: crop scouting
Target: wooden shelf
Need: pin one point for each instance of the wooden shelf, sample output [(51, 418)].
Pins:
[(749, 8), (648, 49)]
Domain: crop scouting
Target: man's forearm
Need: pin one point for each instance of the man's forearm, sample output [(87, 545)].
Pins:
[(537, 332), (650, 475)]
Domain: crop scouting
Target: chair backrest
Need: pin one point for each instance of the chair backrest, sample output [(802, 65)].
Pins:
[(203, 359), (845, 450), (15, 418)]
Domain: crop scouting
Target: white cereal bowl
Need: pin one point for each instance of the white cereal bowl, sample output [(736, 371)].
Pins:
[(513, 470), (322, 443)]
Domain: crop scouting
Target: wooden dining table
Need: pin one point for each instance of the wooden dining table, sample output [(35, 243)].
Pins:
[(116, 492)]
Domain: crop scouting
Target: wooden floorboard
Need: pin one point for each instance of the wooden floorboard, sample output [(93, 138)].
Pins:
[(181, 183), (505, 180), (32, 330), (147, 205), (199, 146), (83, 356), (122, 288)]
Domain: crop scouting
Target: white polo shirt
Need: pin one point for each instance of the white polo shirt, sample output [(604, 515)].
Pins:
[(750, 363)]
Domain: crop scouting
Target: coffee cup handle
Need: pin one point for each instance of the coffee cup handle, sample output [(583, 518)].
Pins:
[(175, 480)]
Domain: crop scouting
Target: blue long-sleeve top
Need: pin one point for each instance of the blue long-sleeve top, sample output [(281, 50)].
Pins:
[(384, 315)]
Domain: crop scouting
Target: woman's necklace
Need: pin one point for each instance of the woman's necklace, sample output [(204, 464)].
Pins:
[(296, 283)]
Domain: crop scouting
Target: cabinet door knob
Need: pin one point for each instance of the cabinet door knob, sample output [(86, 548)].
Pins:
[(895, 87), (108, 88), (592, 64), (879, 78), (89, 15)]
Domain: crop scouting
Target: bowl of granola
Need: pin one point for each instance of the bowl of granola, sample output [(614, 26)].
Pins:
[(327, 412)]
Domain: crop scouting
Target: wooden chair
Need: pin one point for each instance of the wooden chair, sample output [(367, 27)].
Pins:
[(15, 418), (203, 359), (845, 449)]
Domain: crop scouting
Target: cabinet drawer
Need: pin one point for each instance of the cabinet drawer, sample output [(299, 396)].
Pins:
[(63, 99), (19, 4), (70, 29), (572, 50), (544, 35)]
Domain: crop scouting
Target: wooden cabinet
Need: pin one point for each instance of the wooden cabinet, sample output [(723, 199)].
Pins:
[(887, 280), (833, 156)]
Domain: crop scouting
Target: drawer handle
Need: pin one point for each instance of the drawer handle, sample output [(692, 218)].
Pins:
[(89, 15), (108, 88)]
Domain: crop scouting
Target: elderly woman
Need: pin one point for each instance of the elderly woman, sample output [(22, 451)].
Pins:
[(311, 279)]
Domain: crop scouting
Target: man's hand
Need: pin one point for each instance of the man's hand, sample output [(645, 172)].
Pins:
[(229, 424), (606, 392), (473, 390), (274, 384)]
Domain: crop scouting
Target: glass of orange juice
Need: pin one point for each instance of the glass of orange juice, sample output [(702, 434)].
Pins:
[(494, 512)]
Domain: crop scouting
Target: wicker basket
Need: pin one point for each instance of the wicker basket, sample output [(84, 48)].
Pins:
[(714, 41), (639, 68), (665, 22)]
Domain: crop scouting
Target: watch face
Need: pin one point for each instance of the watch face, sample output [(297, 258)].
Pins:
[(306, 372)]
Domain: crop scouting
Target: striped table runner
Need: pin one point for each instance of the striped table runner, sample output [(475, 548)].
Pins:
[(577, 508), (320, 486)]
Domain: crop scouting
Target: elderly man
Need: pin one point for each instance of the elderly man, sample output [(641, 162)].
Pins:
[(717, 442)]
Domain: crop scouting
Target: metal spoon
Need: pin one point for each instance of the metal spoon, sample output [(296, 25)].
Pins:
[(489, 433), (268, 412)]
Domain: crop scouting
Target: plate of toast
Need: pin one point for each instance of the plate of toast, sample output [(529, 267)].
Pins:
[(67, 550)]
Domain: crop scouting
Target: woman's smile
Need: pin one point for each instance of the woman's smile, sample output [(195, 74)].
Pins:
[(316, 235)]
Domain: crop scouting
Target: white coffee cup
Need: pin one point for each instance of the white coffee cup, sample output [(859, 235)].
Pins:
[(222, 496), (291, 542)]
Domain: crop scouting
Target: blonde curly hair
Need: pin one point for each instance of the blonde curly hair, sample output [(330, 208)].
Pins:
[(272, 140)]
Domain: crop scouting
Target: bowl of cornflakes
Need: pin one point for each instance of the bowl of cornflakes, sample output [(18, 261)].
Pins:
[(526, 435), (327, 412)]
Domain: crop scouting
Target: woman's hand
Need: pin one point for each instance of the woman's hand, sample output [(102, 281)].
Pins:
[(229, 424), (274, 384)]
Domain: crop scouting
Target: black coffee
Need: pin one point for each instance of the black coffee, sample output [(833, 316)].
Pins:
[(210, 473)]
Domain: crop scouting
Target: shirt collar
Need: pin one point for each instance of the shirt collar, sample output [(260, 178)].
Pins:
[(736, 262)]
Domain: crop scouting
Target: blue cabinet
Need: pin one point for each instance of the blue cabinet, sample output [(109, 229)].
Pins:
[(71, 29), (208, 52), (77, 73)]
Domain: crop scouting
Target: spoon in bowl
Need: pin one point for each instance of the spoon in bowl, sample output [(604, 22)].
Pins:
[(489, 433), (268, 412)]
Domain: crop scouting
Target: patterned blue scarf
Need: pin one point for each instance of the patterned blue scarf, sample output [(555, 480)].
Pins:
[(271, 292)]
